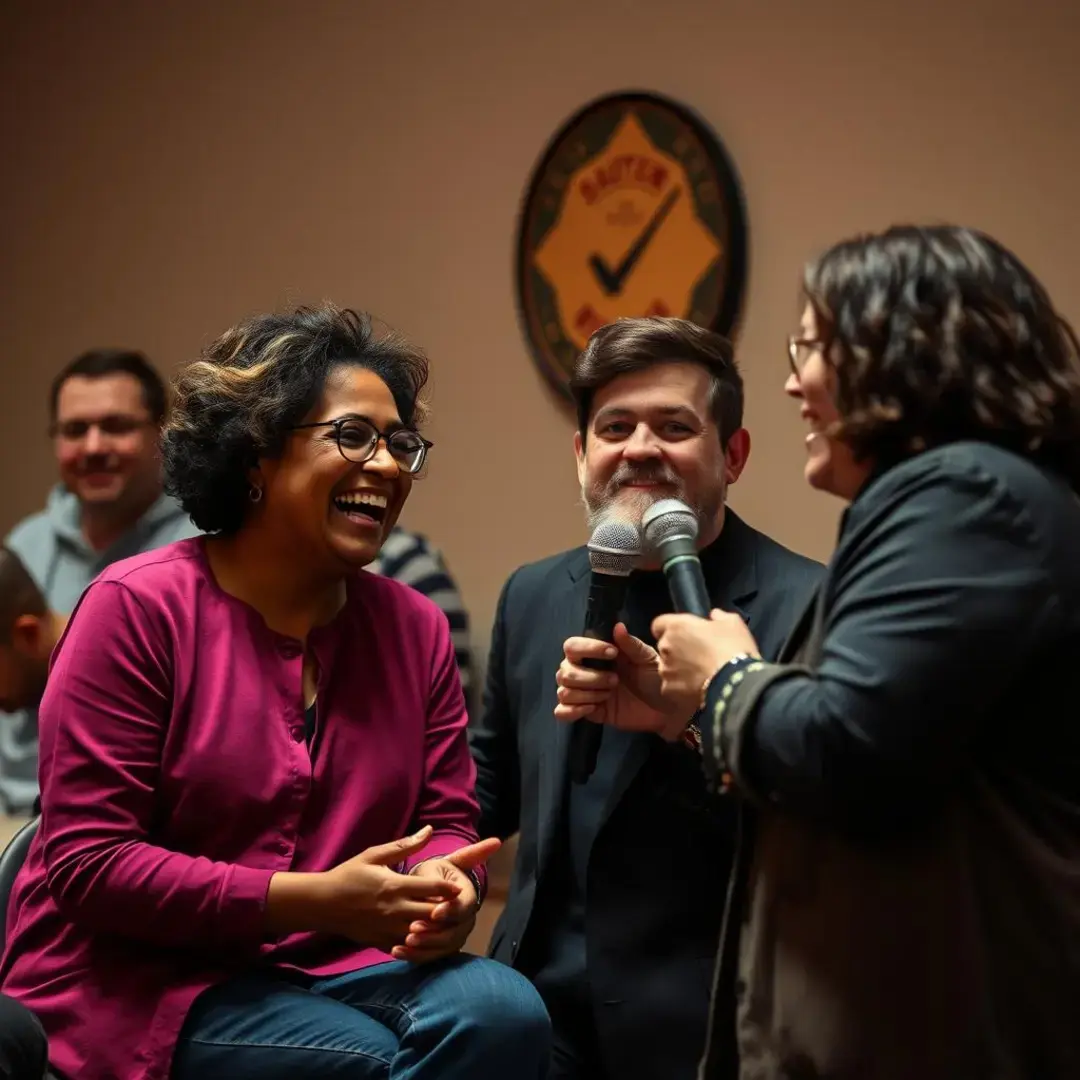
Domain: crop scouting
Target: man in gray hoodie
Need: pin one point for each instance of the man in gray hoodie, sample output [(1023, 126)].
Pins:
[(106, 409)]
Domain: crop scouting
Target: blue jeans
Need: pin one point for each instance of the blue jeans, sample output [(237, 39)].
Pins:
[(463, 1018)]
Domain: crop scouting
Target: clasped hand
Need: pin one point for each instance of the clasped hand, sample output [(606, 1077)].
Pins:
[(420, 916), (656, 690)]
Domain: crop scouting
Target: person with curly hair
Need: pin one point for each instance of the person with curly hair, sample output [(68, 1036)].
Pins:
[(906, 901), (257, 854)]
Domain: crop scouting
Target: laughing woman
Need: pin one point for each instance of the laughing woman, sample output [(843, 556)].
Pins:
[(257, 853)]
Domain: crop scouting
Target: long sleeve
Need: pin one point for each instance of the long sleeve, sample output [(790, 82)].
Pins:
[(103, 719), (935, 603), (493, 738), (446, 800)]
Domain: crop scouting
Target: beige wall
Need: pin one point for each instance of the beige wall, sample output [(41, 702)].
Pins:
[(169, 167)]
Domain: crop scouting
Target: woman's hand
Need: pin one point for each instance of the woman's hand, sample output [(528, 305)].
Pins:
[(453, 920), (363, 899), (693, 649)]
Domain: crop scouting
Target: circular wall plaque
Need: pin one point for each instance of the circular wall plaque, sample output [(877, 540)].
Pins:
[(634, 209)]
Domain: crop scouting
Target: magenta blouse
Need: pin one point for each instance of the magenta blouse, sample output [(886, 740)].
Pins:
[(176, 780)]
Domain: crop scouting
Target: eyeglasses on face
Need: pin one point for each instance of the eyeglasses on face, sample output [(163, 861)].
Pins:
[(358, 439), (800, 349)]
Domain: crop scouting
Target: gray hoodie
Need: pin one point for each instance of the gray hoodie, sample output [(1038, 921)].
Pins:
[(51, 546)]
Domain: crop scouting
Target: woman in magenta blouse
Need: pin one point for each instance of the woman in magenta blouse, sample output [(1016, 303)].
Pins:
[(258, 854)]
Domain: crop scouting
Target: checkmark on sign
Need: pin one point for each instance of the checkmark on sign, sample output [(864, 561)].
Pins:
[(611, 280)]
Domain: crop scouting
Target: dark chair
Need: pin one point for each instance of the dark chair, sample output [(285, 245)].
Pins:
[(11, 860)]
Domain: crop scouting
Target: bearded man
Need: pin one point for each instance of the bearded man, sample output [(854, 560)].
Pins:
[(619, 883)]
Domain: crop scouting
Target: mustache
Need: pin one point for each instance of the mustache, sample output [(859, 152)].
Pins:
[(642, 474), (93, 463)]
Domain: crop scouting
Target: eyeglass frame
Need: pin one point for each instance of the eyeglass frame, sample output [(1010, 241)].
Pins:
[(380, 437), (794, 343)]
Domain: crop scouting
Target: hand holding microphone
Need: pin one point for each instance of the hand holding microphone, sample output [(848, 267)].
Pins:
[(613, 548), (608, 676), (698, 640)]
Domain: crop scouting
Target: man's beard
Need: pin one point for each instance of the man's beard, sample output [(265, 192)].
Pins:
[(613, 496)]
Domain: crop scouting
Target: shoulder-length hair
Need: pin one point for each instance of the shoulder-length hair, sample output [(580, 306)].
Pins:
[(941, 334)]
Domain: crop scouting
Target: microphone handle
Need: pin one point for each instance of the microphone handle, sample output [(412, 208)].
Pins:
[(686, 583), (585, 736), (606, 593)]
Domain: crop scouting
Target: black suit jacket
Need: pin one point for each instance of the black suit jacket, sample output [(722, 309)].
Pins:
[(660, 860)]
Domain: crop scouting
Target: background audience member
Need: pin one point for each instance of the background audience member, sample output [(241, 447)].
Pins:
[(106, 409), (29, 632)]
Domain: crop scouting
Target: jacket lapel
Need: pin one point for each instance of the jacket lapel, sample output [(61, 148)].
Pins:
[(555, 735)]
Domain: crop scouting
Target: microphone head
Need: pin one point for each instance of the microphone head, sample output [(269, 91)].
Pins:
[(614, 547), (667, 518)]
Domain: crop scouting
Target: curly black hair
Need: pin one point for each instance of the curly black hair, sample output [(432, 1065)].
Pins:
[(237, 403), (940, 334)]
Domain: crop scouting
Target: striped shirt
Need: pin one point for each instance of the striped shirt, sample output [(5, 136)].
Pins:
[(409, 558)]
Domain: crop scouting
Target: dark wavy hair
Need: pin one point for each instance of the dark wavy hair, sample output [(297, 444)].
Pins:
[(237, 403), (941, 334)]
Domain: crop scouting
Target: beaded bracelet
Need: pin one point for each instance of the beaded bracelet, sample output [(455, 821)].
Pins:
[(728, 676)]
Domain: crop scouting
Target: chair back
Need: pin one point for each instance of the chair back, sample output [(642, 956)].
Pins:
[(11, 860)]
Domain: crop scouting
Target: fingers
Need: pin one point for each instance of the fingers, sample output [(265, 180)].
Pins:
[(397, 850), (424, 888), (577, 649), (422, 948), (571, 676), (569, 713), (634, 649), (410, 913), (581, 691), (421, 956), (474, 855), (663, 625)]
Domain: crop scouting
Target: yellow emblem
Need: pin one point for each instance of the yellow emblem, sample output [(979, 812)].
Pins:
[(634, 210)]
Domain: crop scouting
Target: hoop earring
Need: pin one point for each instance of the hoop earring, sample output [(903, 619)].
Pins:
[(255, 493)]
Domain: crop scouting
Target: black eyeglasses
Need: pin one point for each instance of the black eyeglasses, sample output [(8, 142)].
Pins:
[(357, 440)]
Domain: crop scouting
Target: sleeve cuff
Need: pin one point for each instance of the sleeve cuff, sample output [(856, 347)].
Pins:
[(243, 904), (441, 845), (730, 710)]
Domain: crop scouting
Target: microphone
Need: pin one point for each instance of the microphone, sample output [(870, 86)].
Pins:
[(614, 548), (671, 529)]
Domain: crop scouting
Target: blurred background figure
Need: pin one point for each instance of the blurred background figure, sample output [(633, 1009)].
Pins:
[(105, 410), (28, 633)]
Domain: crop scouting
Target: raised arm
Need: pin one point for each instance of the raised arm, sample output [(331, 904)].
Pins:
[(937, 600)]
